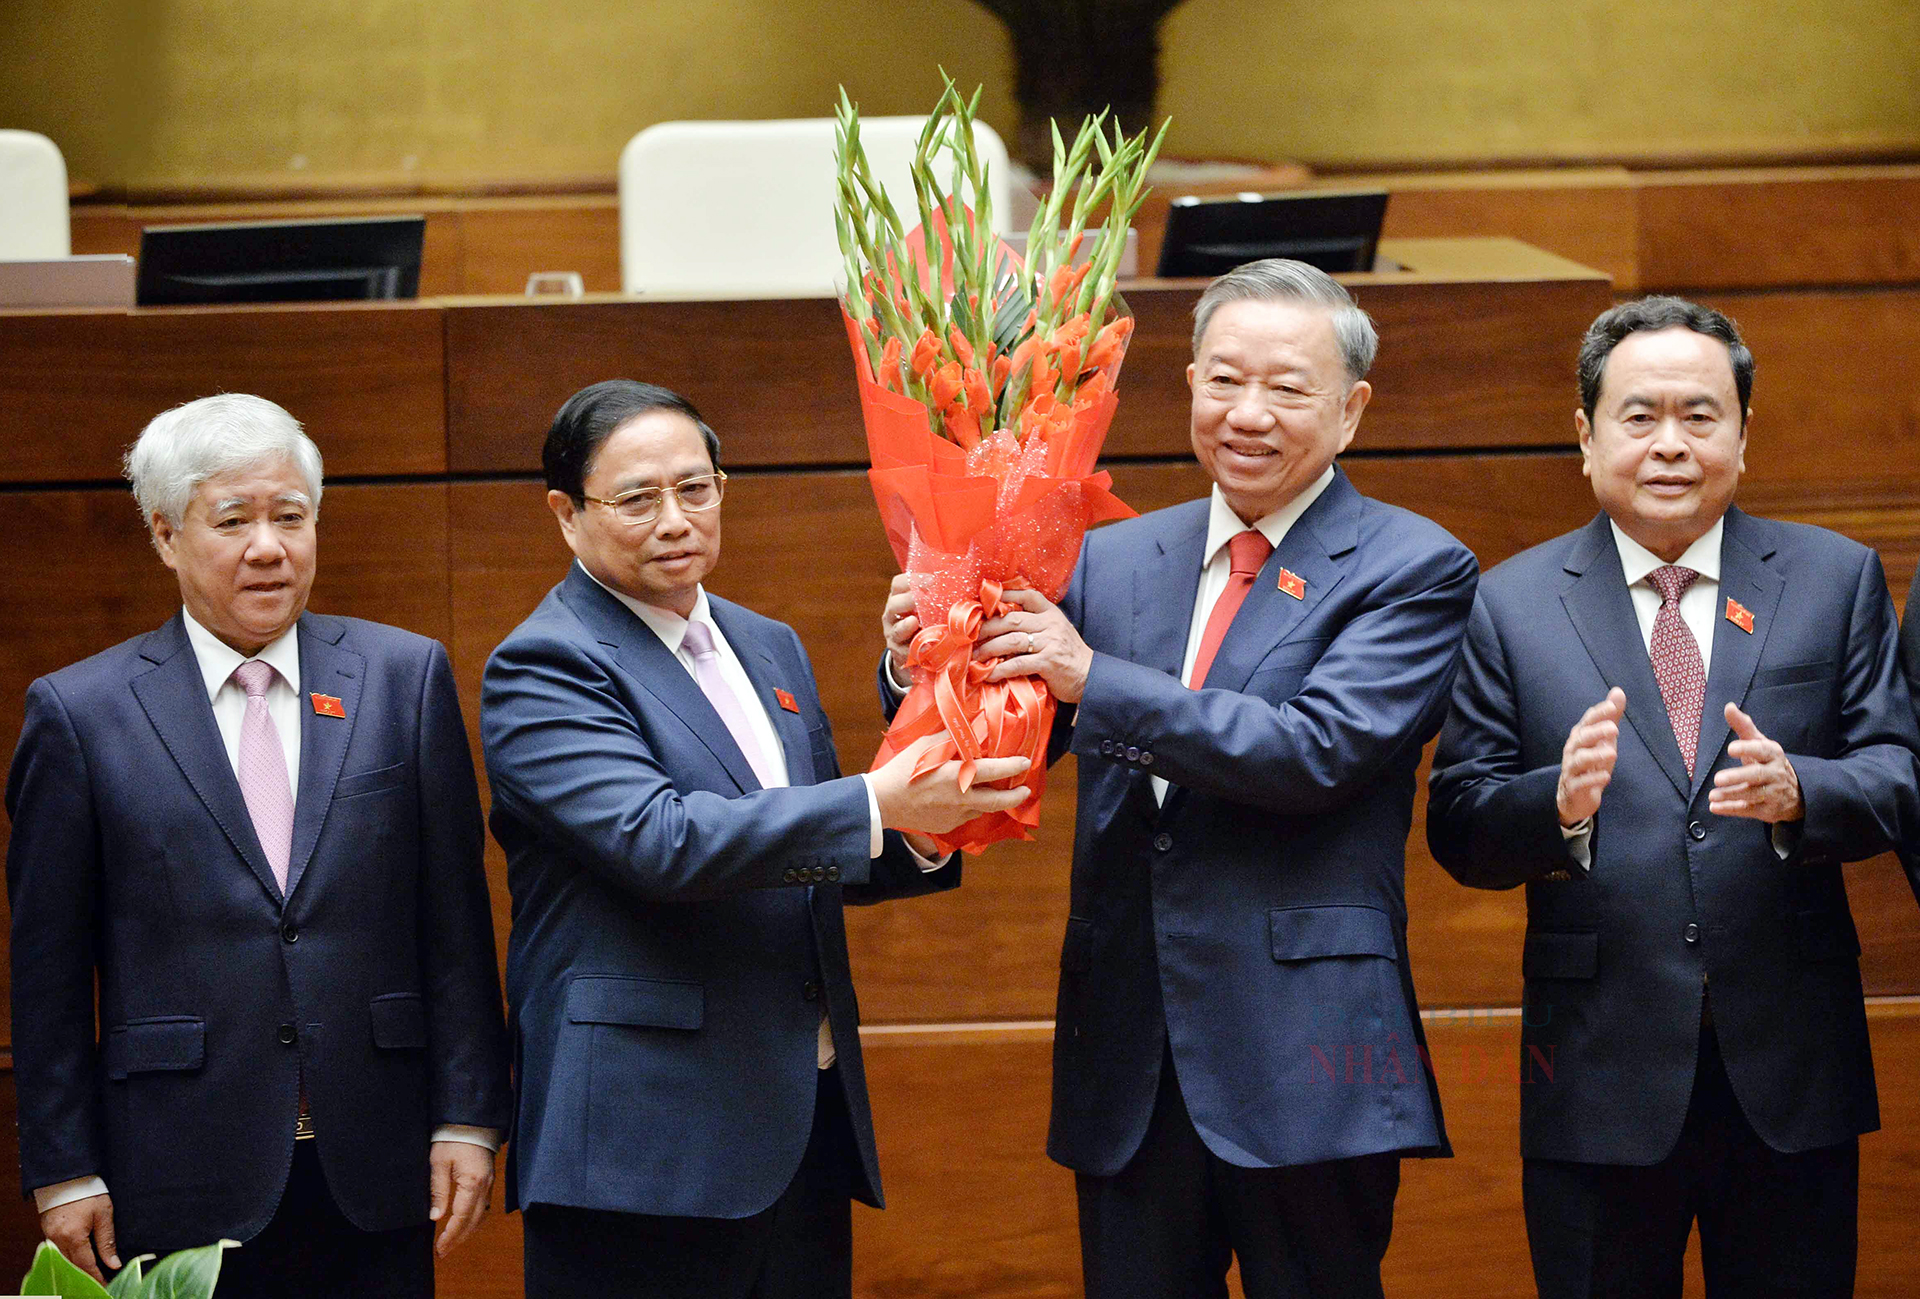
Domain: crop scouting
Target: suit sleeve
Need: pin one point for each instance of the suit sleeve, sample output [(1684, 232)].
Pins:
[(1380, 686), (1490, 822), (1865, 798), (53, 874), (568, 758), (462, 978)]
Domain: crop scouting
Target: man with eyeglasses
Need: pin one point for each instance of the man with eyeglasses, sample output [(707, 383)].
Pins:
[(1238, 1061), (692, 1109)]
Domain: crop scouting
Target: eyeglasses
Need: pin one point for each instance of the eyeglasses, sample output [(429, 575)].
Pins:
[(642, 504)]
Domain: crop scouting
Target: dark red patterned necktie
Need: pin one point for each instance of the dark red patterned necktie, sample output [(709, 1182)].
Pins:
[(1677, 665)]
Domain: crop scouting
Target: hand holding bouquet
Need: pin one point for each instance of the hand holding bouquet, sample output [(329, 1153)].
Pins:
[(987, 384)]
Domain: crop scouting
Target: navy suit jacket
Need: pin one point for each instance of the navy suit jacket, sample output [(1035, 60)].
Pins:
[(1679, 897), (1257, 920), (133, 859), (677, 930)]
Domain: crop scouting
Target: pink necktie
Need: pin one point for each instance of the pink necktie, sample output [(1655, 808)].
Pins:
[(1246, 552), (706, 670), (1677, 666), (263, 771)]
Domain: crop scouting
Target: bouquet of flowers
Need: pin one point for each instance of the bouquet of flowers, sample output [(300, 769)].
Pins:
[(987, 387)]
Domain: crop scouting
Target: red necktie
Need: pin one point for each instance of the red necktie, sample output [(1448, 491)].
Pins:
[(1677, 666), (1247, 551)]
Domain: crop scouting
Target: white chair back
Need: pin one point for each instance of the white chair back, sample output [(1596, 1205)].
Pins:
[(33, 198), (746, 208)]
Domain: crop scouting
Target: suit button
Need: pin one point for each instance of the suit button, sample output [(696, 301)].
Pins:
[(833, 874), (1106, 748), (289, 932), (286, 1035), (810, 991), (1691, 933), (1696, 831), (1146, 757), (1133, 753), (1162, 842), (791, 876), (819, 874)]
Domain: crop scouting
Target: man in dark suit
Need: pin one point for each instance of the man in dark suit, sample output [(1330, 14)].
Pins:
[(1237, 1053), (1673, 726), (692, 1110), (257, 828)]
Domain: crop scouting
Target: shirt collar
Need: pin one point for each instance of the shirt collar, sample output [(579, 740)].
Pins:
[(669, 626), (217, 659), (1703, 556), (1223, 525)]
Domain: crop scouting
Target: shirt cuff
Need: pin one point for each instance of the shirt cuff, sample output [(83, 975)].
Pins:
[(1579, 841), (894, 683), (1786, 837), (876, 833), (470, 1134), (77, 1188)]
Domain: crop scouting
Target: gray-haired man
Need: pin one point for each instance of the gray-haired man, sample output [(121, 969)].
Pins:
[(1254, 676), (257, 829)]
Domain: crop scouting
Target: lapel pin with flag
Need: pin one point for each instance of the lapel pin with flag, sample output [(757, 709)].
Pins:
[(1739, 615), (328, 706), (786, 699), (1292, 583)]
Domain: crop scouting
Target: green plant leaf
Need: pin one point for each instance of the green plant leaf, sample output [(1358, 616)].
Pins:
[(52, 1274), (127, 1283), (189, 1274)]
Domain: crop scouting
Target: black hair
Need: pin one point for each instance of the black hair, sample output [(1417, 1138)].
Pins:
[(1645, 315), (588, 419)]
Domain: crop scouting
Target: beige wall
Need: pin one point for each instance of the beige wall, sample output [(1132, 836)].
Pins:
[(458, 92)]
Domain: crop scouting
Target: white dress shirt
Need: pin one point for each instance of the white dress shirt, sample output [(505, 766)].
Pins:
[(1216, 565), (1699, 609), (217, 660)]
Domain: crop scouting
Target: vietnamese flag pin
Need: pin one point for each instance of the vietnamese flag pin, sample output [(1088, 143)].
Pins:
[(1739, 615), (1292, 583), (328, 706), (787, 701)]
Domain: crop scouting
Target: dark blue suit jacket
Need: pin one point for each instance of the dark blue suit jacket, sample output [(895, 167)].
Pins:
[(1615, 963), (133, 858), (1257, 919), (677, 930)]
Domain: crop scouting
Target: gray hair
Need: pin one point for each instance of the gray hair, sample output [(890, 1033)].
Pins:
[(183, 447), (1279, 279)]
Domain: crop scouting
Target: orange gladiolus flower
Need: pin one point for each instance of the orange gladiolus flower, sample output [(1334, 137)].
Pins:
[(961, 347), (1001, 369), (963, 427), (926, 353), (979, 399), (890, 365), (947, 385), (1107, 344), (873, 326)]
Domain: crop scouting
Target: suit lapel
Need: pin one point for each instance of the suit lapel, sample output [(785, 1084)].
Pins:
[(174, 697), (648, 659), (1744, 576), (765, 673), (1601, 610), (1329, 528), (325, 669), (1164, 590)]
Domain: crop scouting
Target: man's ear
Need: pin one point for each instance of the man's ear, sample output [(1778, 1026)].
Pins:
[(1583, 427), (163, 535), (566, 512)]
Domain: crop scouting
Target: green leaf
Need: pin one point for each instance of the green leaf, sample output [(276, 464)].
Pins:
[(52, 1274), (127, 1284), (189, 1274)]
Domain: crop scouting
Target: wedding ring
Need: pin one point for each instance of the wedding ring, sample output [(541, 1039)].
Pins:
[(1029, 642)]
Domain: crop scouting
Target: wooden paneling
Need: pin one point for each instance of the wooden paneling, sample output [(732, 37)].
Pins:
[(776, 382), (975, 1208), (1588, 216), (508, 240), (1734, 229), (76, 388)]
